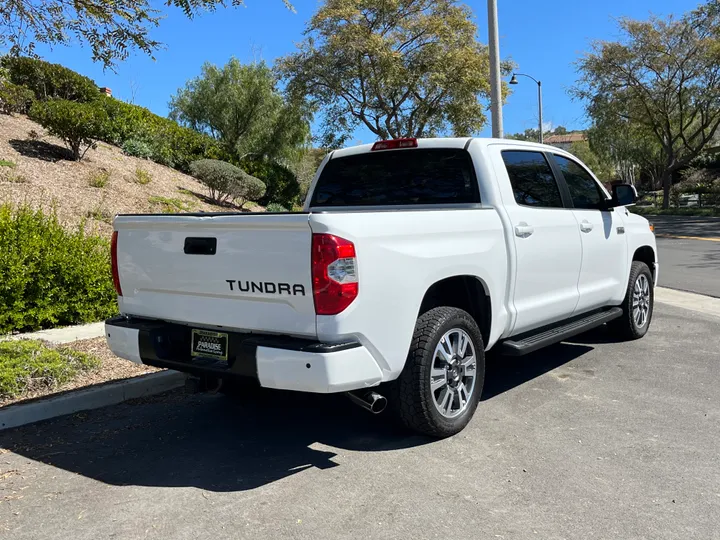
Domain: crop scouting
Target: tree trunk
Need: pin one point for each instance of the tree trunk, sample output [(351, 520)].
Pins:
[(666, 184)]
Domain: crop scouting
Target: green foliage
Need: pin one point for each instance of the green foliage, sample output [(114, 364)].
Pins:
[(692, 211), (7, 163), (98, 178), (79, 125), (398, 68), (170, 205), (275, 207), (603, 168), (14, 98), (137, 148), (657, 89), (112, 29), (142, 177), (533, 135), (240, 106), (49, 81), (30, 365), (50, 276), (282, 185), (226, 182)]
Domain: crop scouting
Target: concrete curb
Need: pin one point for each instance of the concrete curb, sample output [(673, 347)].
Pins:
[(687, 300), (64, 335), (89, 398)]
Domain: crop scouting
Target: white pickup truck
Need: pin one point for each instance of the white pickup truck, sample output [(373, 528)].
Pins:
[(410, 260)]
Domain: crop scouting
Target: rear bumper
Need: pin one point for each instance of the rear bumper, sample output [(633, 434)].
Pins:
[(274, 361)]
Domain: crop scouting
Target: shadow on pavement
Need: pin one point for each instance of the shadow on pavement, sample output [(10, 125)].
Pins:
[(686, 225), (219, 444)]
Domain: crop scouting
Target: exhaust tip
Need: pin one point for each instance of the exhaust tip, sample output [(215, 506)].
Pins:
[(369, 400)]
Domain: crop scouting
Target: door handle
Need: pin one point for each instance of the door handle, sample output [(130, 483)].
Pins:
[(586, 226), (523, 230)]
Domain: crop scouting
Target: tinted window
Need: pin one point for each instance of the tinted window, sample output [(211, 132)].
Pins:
[(532, 179), (398, 177), (584, 190)]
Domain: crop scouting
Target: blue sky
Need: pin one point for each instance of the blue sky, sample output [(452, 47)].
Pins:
[(543, 38)]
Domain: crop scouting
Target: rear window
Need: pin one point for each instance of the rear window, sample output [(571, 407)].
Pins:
[(398, 177)]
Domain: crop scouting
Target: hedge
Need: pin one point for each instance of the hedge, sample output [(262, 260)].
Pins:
[(48, 81), (50, 276)]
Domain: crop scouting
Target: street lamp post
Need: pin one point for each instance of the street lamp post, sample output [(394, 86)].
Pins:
[(539, 85), (495, 84)]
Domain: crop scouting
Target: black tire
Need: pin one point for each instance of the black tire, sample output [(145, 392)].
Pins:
[(411, 396), (627, 327)]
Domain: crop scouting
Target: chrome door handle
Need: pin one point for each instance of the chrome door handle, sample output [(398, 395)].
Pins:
[(523, 230), (586, 226)]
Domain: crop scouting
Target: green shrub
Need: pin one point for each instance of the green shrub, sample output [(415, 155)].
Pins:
[(14, 98), (275, 207), (49, 81), (79, 125), (7, 163), (142, 177), (30, 365), (137, 148), (168, 205), (226, 182), (50, 276), (282, 185), (99, 178)]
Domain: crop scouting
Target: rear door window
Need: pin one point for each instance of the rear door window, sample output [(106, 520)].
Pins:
[(398, 177), (532, 179)]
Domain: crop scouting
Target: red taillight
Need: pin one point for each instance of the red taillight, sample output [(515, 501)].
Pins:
[(394, 144), (334, 274), (113, 258)]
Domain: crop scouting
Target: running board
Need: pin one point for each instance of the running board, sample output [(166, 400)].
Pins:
[(523, 345)]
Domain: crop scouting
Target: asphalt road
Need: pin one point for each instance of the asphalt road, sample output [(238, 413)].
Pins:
[(590, 440), (689, 264)]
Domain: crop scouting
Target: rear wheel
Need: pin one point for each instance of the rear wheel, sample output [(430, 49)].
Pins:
[(638, 304), (440, 386)]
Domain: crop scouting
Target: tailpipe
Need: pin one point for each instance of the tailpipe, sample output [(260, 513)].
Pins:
[(368, 400)]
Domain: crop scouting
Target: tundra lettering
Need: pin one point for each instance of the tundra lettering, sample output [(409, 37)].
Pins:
[(267, 287)]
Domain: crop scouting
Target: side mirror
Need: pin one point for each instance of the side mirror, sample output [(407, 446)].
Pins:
[(623, 195)]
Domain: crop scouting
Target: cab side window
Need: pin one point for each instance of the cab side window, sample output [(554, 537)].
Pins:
[(584, 190), (532, 179)]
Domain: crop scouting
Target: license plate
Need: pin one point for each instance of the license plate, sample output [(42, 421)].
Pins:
[(209, 344)]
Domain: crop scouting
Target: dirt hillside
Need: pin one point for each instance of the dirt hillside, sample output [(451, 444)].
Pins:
[(106, 182)]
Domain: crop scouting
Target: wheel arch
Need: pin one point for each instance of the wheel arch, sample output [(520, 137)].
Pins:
[(646, 254), (467, 292)]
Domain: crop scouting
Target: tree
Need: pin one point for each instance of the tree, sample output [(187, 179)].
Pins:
[(531, 134), (79, 125), (240, 106), (226, 182), (399, 68), (662, 80), (112, 28), (603, 169)]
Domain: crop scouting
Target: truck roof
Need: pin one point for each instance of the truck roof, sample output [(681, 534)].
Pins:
[(445, 142)]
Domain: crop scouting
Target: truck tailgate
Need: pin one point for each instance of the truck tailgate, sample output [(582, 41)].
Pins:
[(237, 271)]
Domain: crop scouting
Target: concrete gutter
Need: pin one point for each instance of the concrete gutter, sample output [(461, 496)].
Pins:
[(89, 398), (68, 334)]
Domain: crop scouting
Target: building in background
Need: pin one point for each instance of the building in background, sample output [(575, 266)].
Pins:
[(566, 140)]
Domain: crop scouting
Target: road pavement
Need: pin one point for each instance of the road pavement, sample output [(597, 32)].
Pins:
[(689, 253), (590, 440)]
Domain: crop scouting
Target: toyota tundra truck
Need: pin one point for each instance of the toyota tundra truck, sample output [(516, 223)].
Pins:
[(410, 260)]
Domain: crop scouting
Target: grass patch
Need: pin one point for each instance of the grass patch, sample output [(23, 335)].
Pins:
[(100, 214), (26, 365), (654, 211), (169, 205), (15, 178), (99, 178), (7, 163), (142, 177)]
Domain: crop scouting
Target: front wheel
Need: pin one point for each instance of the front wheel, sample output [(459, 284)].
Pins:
[(638, 304), (440, 386)]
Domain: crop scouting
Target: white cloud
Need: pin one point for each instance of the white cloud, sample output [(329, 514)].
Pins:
[(547, 126)]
